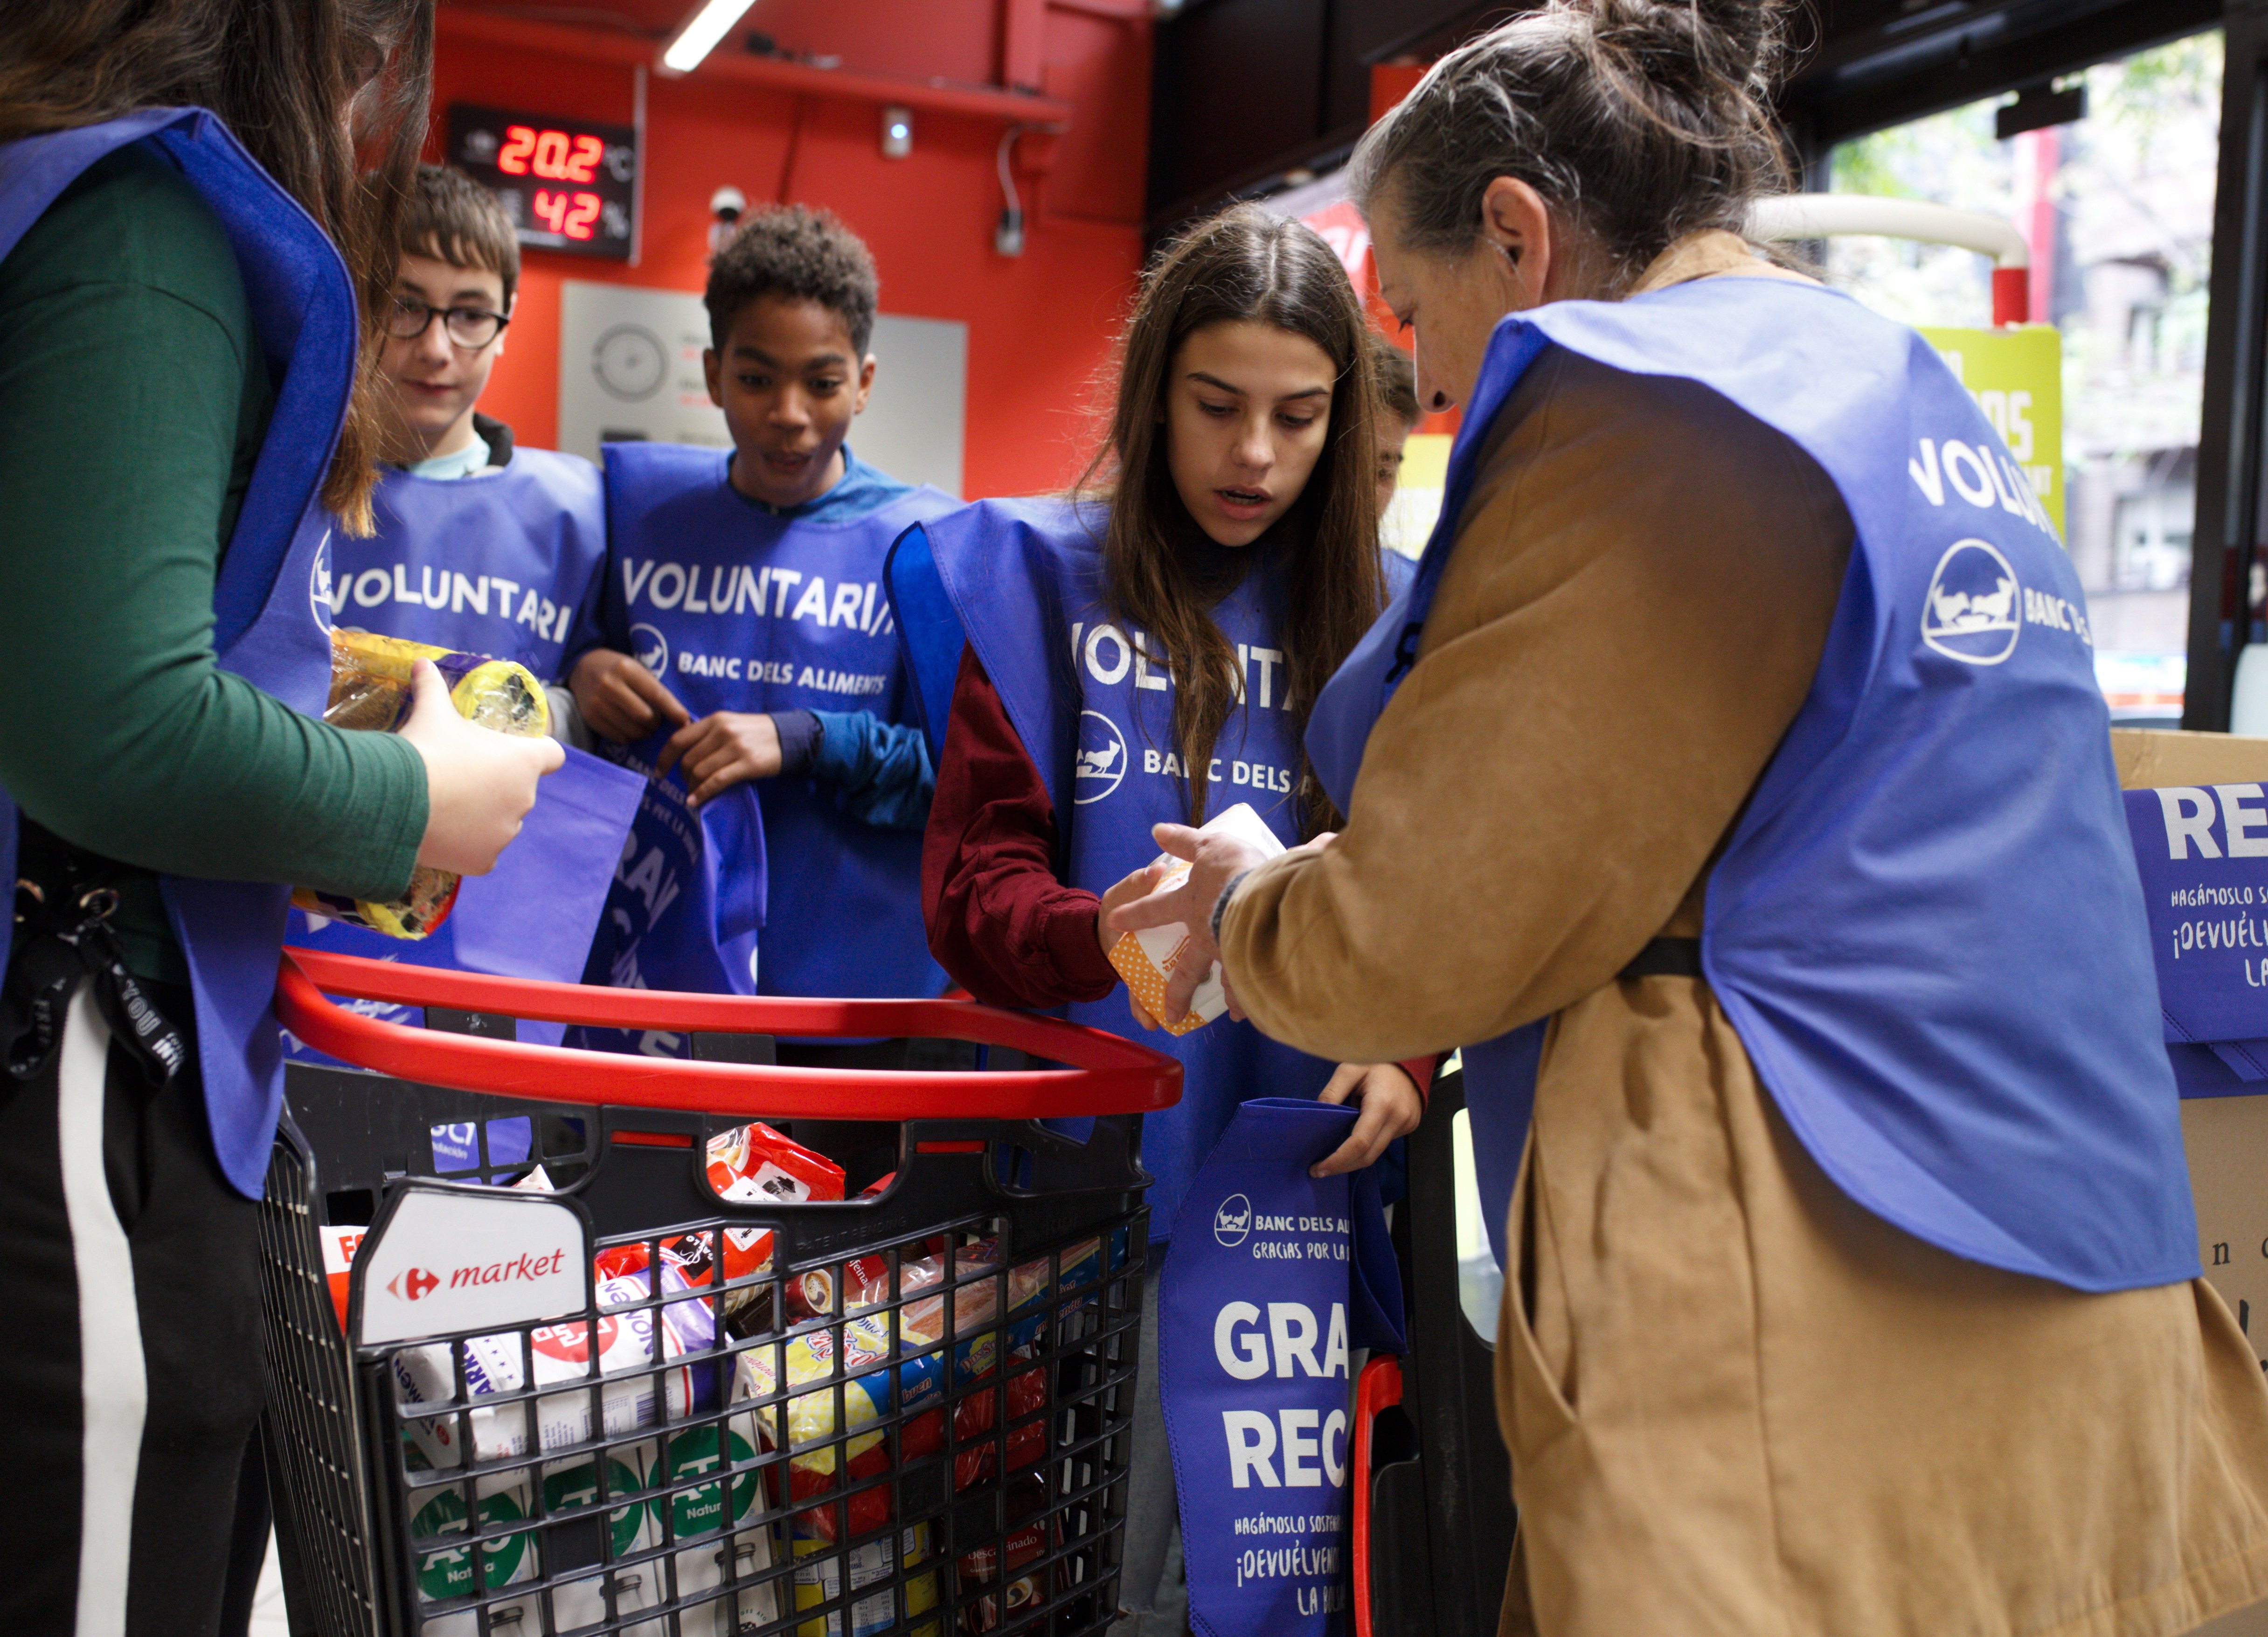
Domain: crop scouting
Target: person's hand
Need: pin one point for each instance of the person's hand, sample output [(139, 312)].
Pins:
[(479, 783), (1125, 890), (1215, 860), (620, 698), (722, 750), (1391, 1108)]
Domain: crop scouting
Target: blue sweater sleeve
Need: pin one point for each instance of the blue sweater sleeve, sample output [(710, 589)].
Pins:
[(883, 767)]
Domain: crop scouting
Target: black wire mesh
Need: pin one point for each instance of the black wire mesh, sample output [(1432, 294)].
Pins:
[(906, 1414), (313, 1452)]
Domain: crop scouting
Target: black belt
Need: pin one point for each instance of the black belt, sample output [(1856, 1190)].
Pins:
[(1665, 957)]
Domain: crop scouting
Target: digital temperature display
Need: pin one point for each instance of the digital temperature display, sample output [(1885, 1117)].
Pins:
[(568, 185)]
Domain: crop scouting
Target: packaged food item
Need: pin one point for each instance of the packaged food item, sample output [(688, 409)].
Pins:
[(818, 1576), (699, 1512), (1017, 1342), (445, 1573), (809, 1360), (370, 690), (1146, 959), (752, 1551), (979, 1347), (975, 1572), (562, 1354), (753, 1164), (339, 1247), (568, 1486)]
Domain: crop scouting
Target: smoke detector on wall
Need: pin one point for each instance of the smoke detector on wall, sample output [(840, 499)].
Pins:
[(727, 205)]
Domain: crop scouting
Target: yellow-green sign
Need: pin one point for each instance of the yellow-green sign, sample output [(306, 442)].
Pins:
[(2017, 377)]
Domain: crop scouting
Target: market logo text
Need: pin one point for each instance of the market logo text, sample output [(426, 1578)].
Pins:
[(414, 1284)]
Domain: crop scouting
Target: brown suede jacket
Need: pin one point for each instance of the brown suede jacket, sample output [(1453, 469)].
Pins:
[(1638, 600)]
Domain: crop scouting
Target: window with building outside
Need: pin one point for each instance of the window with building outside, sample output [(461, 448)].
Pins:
[(2118, 211)]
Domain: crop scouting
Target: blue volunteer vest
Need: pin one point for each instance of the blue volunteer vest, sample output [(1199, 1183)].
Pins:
[(1926, 926), (498, 563), (1275, 1277), (270, 611), (504, 564), (737, 609), (1020, 581)]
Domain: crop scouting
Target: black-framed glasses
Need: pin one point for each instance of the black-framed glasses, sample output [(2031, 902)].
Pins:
[(470, 328)]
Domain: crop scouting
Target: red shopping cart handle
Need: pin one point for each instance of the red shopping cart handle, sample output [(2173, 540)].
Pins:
[(1107, 1075), (1379, 1386)]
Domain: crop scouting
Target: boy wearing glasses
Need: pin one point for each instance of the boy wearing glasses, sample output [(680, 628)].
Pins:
[(480, 546), (486, 548)]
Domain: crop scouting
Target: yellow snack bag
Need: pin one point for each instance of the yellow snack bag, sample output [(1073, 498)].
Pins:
[(371, 691)]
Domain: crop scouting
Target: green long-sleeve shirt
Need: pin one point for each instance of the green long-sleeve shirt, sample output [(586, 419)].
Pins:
[(133, 400)]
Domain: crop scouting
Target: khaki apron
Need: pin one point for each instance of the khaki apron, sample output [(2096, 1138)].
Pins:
[(1738, 1402)]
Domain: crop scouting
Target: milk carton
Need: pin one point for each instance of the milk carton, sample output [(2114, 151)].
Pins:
[(445, 1573)]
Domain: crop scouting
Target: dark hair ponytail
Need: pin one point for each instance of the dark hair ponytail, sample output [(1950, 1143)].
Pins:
[(1243, 265), (1641, 121), (286, 77)]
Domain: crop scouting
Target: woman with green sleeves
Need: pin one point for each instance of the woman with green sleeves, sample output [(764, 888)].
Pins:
[(186, 253)]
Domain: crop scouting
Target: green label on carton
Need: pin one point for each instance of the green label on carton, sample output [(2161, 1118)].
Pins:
[(698, 1511), (448, 1573), (576, 1486)]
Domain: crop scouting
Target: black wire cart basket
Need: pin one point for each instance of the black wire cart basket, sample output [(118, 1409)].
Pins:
[(565, 1341)]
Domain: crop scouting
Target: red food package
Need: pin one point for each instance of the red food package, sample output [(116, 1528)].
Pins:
[(973, 1419), (754, 1164), (985, 1566), (339, 1247)]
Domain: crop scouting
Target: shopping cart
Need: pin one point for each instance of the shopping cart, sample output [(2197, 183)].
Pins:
[(619, 1403)]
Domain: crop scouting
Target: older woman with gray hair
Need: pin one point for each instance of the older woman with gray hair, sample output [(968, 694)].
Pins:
[(1712, 789)]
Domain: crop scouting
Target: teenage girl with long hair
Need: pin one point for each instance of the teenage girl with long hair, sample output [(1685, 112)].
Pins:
[(186, 258), (1145, 652)]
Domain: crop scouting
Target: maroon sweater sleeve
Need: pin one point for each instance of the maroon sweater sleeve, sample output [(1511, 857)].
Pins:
[(999, 920)]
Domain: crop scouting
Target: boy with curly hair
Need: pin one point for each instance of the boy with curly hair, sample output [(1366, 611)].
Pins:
[(749, 643)]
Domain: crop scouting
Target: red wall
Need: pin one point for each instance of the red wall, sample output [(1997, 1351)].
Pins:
[(1040, 326)]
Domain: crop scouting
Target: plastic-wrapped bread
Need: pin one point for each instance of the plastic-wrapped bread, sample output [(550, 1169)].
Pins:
[(370, 690)]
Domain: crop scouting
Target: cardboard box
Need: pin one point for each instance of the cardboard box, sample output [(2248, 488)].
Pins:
[(2227, 1137), (2150, 758)]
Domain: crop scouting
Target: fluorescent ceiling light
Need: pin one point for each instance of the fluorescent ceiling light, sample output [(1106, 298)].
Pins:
[(697, 36)]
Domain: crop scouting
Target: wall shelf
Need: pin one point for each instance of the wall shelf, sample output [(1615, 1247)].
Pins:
[(1013, 107)]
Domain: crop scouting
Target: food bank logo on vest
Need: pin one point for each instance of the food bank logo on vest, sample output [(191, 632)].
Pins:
[(1101, 758), (1971, 612), (1977, 609), (650, 648)]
